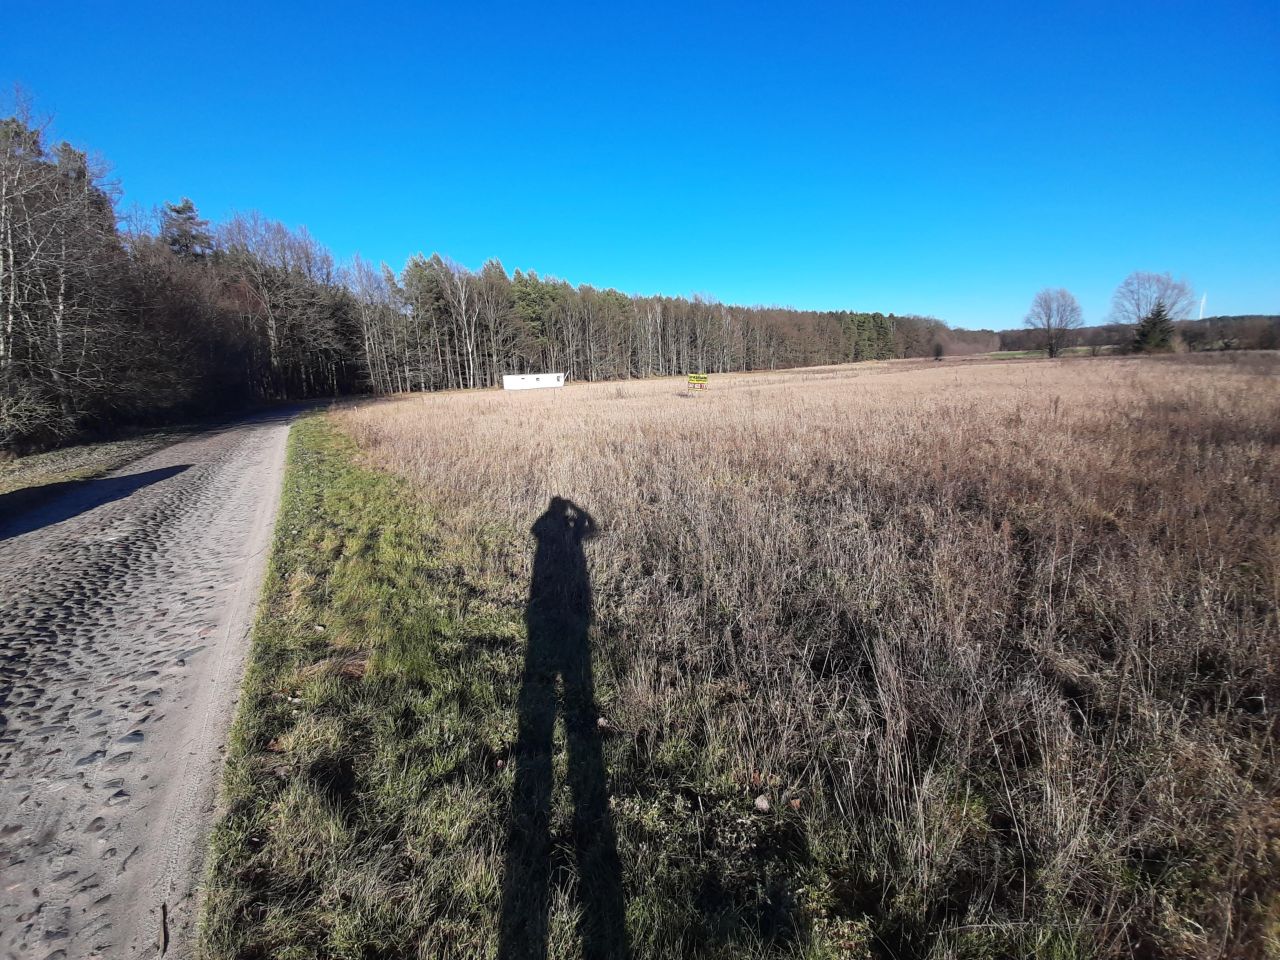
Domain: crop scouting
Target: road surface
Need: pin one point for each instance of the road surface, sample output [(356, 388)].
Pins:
[(125, 607)]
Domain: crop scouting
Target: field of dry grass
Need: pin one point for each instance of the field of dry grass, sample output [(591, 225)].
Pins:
[(947, 660)]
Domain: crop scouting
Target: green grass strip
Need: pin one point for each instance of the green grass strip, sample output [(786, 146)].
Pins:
[(363, 795), (372, 767)]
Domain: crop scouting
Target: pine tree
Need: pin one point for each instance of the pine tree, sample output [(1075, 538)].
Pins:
[(1155, 330), (184, 232)]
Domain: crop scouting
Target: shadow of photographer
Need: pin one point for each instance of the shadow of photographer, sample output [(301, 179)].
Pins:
[(558, 617)]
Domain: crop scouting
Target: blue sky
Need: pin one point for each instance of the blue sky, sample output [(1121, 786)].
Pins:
[(909, 158)]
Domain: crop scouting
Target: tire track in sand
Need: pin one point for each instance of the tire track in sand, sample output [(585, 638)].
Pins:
[(123, 628)]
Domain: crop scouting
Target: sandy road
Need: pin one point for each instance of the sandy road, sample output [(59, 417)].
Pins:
[(125, 605)]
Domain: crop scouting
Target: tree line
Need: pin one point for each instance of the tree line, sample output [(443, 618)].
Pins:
[(103, 324), (1149, 314), (1246, 332)]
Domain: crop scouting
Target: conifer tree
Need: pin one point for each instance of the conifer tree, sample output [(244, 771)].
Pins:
[(1155, 330), (184, 232)]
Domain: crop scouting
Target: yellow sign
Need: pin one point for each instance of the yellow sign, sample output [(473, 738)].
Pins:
[(698, 381)]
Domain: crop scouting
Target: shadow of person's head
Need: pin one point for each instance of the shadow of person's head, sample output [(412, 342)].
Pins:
[(564, 521)]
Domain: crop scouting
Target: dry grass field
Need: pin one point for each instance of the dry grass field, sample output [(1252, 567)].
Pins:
[(899, 660)]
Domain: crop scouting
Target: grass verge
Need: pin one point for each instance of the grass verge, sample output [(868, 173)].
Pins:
[(370, 774), (362, 770)]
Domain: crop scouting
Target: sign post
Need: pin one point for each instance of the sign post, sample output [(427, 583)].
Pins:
[(697, 381)]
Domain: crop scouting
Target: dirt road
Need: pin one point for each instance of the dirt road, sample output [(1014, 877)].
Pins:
[(125, 605)]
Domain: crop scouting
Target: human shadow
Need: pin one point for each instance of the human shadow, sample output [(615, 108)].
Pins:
[(558, 618), (32, 508)]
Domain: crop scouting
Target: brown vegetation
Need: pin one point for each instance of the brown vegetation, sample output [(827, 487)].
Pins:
[(996, 644)]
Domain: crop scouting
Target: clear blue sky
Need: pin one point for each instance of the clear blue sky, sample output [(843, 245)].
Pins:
[(914, 158)]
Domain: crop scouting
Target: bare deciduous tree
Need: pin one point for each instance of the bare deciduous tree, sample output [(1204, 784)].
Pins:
[(496, 307), (461, 292), (1054, 314), (62, 340), (1138, 295), (375, 306), (285, 280)]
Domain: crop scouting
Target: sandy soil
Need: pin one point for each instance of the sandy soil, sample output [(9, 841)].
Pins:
[(125, 606)]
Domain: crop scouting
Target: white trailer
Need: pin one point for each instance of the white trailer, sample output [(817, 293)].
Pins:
[(531, 381)]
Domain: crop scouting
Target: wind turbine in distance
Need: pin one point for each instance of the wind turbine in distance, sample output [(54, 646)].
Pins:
[(1203, 298)]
